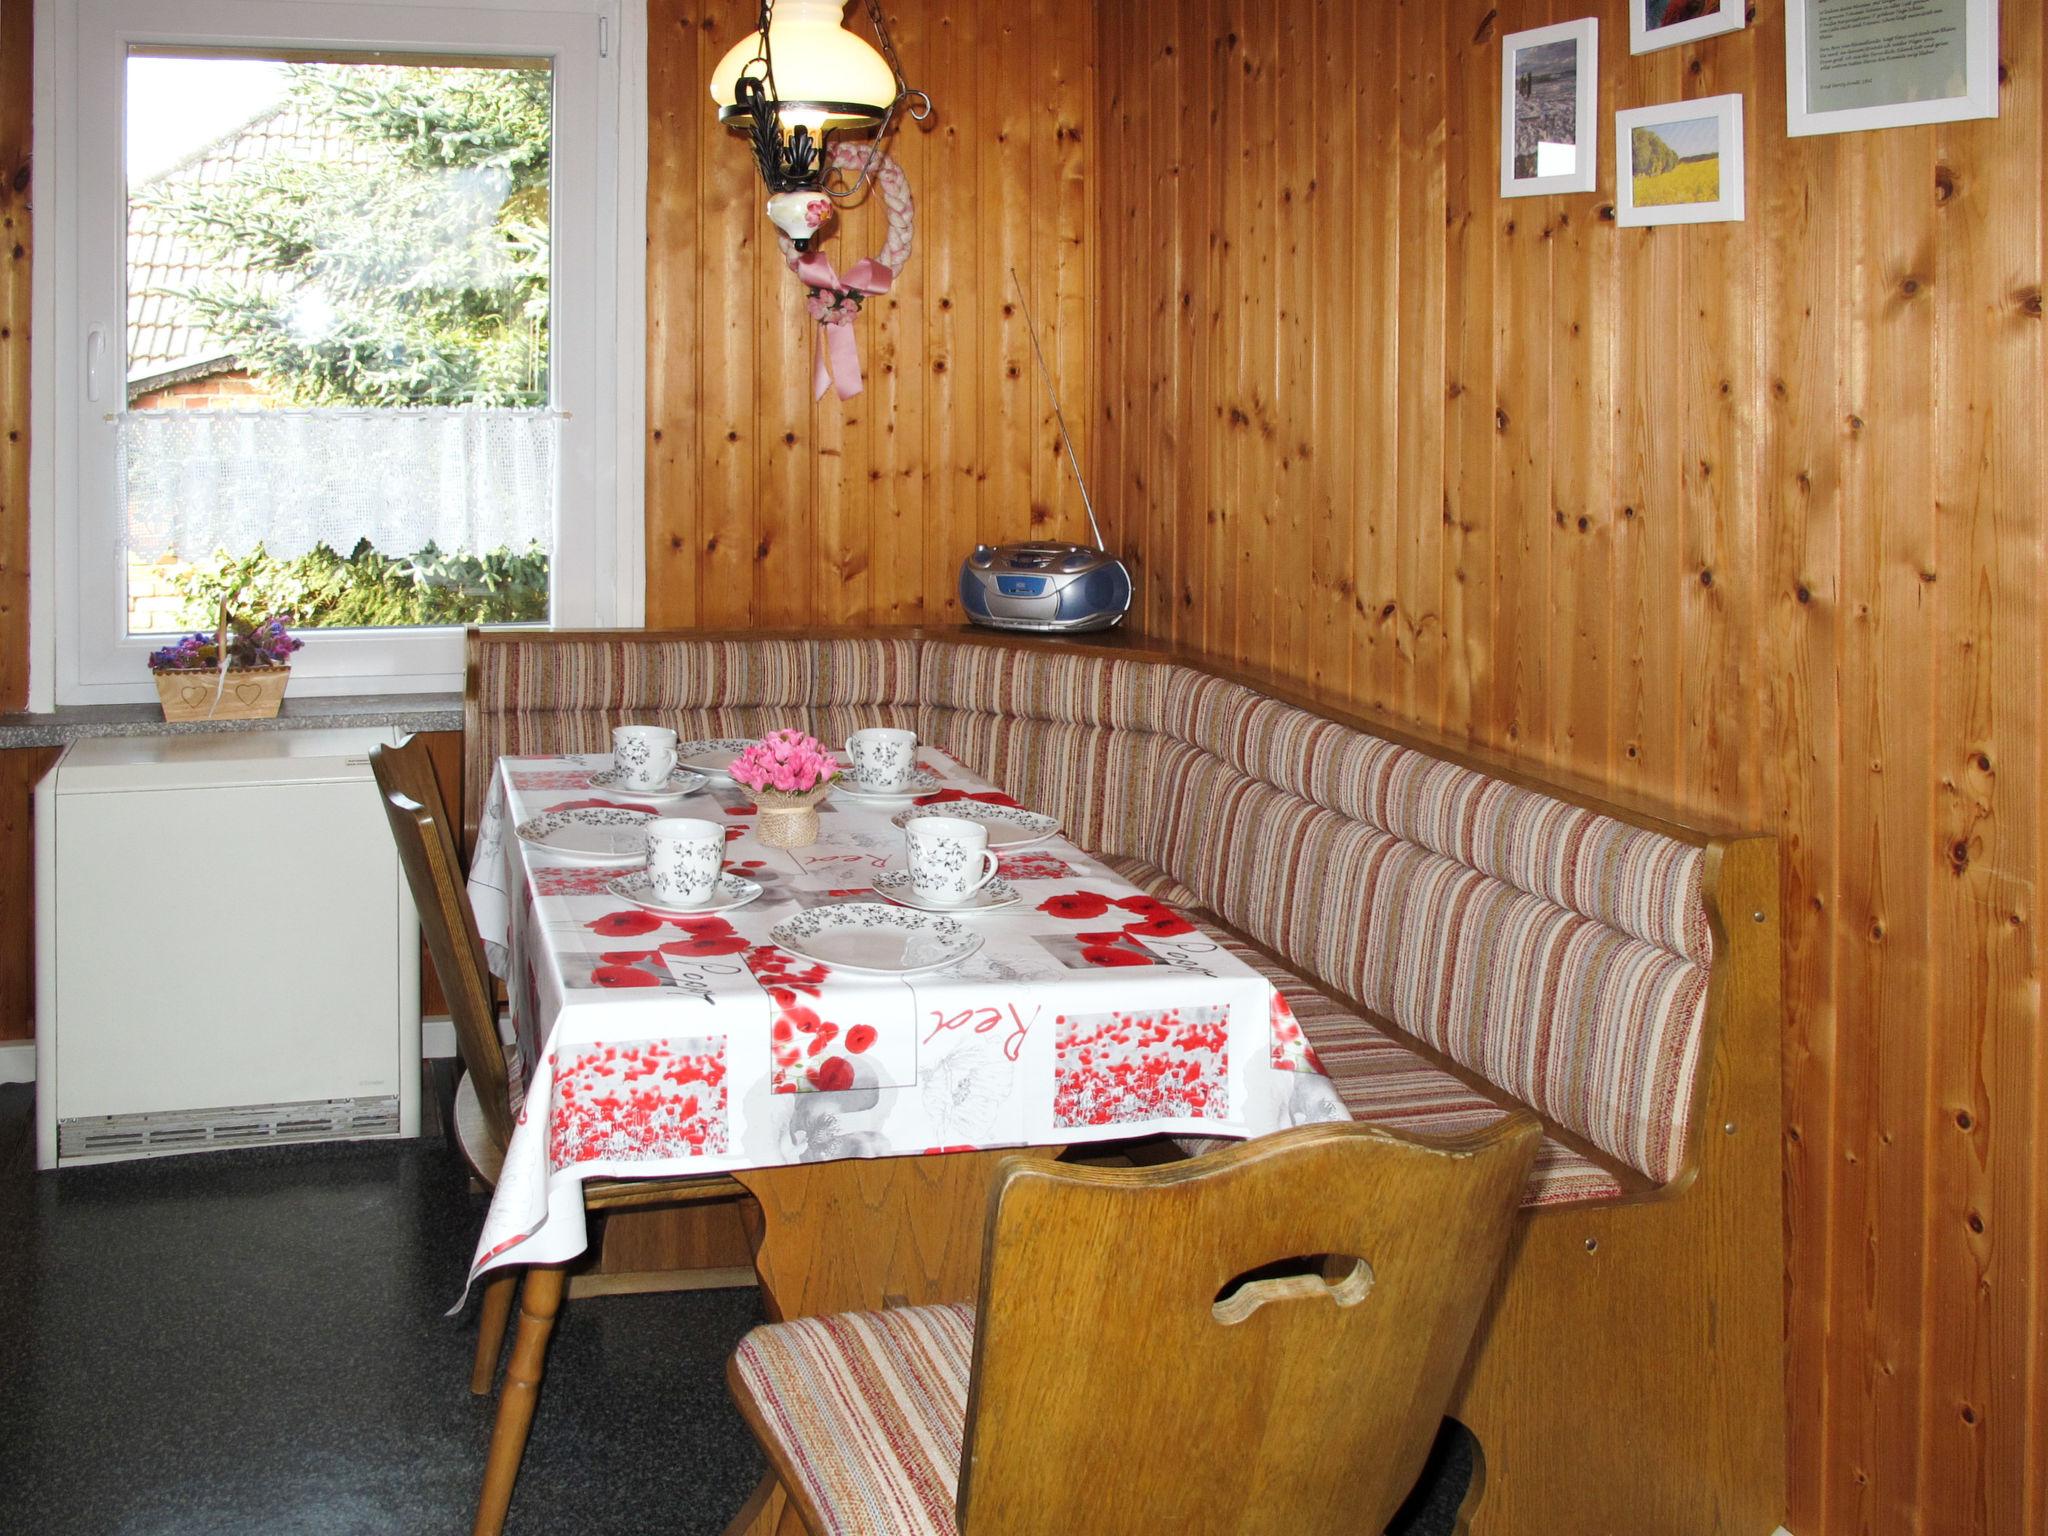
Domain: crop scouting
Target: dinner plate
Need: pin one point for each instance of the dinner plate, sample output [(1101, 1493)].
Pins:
[(1008, 826), (638, 888), (895, 884), (591, 836), (680, 782), (876, 939), (714, 755), (921, 783)]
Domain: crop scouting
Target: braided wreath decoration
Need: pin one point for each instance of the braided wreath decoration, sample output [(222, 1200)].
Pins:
[(835, 301)]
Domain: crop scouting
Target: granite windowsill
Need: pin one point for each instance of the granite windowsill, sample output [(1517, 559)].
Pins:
[(76, 722)]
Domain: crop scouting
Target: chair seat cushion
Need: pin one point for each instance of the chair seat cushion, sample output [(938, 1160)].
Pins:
[(1386, 1082), (864, 1412)]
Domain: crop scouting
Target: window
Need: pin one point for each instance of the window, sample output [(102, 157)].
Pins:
[(345, 281)]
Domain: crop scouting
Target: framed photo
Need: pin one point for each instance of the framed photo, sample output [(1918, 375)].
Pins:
[(1667, 23), (1888, 63), (1549, 78), (1680, 163)]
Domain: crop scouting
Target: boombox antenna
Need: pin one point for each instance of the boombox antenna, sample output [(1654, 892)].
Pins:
[(1057, 414)]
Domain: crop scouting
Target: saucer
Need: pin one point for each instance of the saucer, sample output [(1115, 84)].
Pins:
[(638, 888), (895, 884), (680, 782), (591, 835), (921, 783), (876, 939)]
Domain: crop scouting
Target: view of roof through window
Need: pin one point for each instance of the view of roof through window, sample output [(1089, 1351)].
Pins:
[(338, 340)]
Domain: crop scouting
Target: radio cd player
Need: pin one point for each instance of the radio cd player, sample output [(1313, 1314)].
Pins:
[(1067, 588)]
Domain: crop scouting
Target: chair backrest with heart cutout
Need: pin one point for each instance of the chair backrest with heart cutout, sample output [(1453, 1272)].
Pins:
[(1262, 1339)]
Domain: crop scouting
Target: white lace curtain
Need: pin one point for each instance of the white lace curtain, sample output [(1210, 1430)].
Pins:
[(464, 480)]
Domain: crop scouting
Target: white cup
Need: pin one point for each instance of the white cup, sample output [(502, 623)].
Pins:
[(882, 758), (644, 755), (949, 859), (685, 857)]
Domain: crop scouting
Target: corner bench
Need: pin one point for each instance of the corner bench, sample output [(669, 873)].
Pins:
[(1455, 938)]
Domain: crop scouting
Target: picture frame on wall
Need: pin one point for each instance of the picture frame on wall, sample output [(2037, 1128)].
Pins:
[(1654, 24), (1854, 67), (1679, 163), (1549, 88)]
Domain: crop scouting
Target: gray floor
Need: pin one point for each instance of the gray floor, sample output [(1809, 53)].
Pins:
[(252, 1342)]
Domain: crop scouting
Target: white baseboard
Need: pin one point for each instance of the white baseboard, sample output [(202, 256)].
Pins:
[(18, 1060), (437, 1039)]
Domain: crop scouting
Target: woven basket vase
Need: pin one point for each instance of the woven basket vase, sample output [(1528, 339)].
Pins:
[(790, 821)]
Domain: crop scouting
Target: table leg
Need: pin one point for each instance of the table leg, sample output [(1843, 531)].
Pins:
[(539, 1300), (490, 1331)]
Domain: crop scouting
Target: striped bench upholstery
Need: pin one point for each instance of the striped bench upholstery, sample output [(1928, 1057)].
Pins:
[(1557, 954), (864, 1412)]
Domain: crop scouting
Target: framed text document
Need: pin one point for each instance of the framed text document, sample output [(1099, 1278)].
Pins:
[(1855, 64)]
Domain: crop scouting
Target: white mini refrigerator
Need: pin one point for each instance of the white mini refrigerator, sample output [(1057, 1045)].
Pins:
[(226, 952)]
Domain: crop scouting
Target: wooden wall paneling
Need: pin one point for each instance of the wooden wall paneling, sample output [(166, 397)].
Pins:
[(675, 90), (784, 528), (1246, 590), (20, 771), (1472, 136), (1417, 598), (1834, 410), (1720, 312), (1376, 60), (1980, 1219), (1288, 449), (16, 246), (955, 300), (900, 479), (1518, 670), (1803, 215), (1331, 102)]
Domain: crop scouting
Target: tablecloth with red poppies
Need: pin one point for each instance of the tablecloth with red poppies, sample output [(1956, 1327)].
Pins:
[(660, 1046)]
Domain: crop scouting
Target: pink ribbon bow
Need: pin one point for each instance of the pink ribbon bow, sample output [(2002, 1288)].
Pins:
[(834, 304)]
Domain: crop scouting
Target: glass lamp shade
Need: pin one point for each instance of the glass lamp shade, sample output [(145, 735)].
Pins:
[(828, 77)]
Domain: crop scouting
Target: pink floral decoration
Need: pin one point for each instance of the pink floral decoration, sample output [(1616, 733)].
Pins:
[(785, 763)]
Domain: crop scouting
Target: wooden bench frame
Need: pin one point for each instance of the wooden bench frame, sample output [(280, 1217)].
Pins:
[(1629, 1374)]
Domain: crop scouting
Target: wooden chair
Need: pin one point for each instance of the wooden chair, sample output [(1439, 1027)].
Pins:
[(1259, 1340), (483, 1108)]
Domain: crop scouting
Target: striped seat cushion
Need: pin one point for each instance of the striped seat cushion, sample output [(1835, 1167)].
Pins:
[(865, 1412), (1383, 1081)]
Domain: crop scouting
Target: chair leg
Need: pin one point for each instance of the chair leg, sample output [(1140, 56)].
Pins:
[(490, 1331), (539, 1300), (768, 1512)]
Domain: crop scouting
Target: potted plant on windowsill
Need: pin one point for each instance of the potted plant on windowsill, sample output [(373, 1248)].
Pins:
[(236, 673)]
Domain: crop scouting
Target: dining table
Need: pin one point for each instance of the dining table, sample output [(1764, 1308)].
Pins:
[(862, 1097)]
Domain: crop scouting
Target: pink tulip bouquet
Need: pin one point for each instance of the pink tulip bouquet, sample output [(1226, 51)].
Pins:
[(789, 773), (785, 763)]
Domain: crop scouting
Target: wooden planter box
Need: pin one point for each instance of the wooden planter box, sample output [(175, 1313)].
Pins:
[(252, 693)]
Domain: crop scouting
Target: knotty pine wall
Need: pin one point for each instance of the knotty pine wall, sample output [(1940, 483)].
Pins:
[(766, 508), (1745, 517)]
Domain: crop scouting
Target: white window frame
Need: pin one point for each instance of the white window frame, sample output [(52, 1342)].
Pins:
[(79, 651)]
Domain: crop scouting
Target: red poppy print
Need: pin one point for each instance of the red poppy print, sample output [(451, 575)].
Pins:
[(1144, 906), (986, 797), (639, 1103), (1112, 955), (1291, 1050), (832, 1075), (623, 976), (624, 925), (1075, 906), (571, 882), (860, 1037), (1112, 1067), (706, 947), (1167, 925)]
